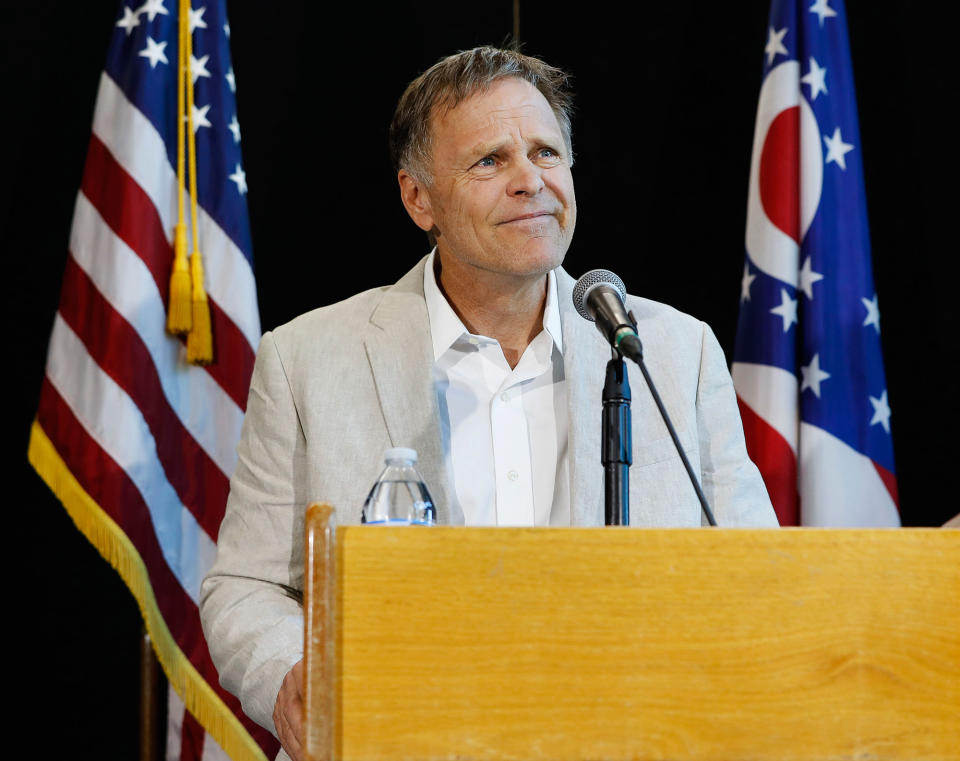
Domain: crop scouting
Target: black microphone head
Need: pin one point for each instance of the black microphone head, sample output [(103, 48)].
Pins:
[(588, 282)]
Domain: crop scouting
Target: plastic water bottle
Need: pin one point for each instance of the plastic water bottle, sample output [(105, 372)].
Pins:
[(399, 497)]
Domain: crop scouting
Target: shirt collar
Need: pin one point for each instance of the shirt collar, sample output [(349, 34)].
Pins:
[(446, 328)]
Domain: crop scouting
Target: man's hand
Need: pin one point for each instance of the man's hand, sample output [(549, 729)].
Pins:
[(288, 712)]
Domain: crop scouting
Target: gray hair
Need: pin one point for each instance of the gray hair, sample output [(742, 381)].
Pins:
[(454, 79)]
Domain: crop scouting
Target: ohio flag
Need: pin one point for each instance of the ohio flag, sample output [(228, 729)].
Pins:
[(137, 443), (808, 367)]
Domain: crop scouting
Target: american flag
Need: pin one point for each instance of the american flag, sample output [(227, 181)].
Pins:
[(808, 366), (138, 444)]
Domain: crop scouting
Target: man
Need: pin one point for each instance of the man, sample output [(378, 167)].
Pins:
[(477, 359)]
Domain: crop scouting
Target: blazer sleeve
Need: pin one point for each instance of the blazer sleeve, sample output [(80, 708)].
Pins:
[(251, 600), (731, 482)]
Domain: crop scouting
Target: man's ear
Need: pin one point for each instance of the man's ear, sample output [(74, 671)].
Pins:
[(416, 200)]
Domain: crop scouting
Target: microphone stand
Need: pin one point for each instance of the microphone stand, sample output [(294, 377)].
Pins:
[(617, 446), (598, 296), (632, 348)]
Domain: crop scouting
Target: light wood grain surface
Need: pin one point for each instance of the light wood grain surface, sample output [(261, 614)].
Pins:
[(656, 644), (321, 629)]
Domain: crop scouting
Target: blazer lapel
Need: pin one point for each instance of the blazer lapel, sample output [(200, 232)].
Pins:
[(400, 353), (584, 362)]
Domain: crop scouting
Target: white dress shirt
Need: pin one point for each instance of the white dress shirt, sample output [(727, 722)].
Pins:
[(504, 430)]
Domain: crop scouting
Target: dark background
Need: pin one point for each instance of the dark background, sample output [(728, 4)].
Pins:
[(667, 94)]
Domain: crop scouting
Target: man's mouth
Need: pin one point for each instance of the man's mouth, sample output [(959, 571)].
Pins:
[(527, 217)]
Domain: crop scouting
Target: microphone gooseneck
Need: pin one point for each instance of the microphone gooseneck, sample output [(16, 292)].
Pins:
[(599, 297)]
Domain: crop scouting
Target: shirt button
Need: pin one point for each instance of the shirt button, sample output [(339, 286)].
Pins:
[(513, 475), (504, 396)]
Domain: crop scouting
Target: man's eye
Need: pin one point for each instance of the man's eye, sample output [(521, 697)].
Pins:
[(487, 162), (548, 156)]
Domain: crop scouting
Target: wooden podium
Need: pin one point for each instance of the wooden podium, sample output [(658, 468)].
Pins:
[(607, 644)]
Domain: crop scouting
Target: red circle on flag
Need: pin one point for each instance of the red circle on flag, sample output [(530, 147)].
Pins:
[(779, 176)]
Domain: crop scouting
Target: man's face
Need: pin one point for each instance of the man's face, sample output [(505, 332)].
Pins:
[(502, 195)]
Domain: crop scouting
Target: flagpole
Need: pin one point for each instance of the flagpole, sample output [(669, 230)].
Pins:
[(152, 683)]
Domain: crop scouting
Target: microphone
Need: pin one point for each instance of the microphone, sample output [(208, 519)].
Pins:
[(598, 297)]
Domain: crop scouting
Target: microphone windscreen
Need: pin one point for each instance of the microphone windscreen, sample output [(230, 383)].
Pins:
[(588, 282)]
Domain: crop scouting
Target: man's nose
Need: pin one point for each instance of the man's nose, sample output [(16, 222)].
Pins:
[(526, 179)]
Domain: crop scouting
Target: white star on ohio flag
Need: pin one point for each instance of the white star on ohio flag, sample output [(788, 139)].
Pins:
[(807, 278), (816, 78), (873, 312), (240, 177), (745, 283), (775, 44), (787, 309), (812, 375), (837, 149), (231, 80), (881, 411), (154, 51), (823, 10), (234, 127)]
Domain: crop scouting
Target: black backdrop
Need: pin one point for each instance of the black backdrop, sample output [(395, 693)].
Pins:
[(663, 131)]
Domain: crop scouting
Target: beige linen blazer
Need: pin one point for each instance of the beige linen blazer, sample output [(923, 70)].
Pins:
[(334, 388)]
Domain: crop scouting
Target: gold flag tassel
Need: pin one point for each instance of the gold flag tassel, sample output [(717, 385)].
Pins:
[(200, 337), (179, 314)]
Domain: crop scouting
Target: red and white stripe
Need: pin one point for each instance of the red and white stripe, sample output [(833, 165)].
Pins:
[(767, 397), (139, 149), (813, 478), (149, 437)]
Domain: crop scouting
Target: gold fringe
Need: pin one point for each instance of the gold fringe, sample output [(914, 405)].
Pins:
[(200, 337), (117, 549), (179, 315)]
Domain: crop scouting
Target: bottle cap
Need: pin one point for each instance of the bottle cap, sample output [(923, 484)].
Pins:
[(400, 453)]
